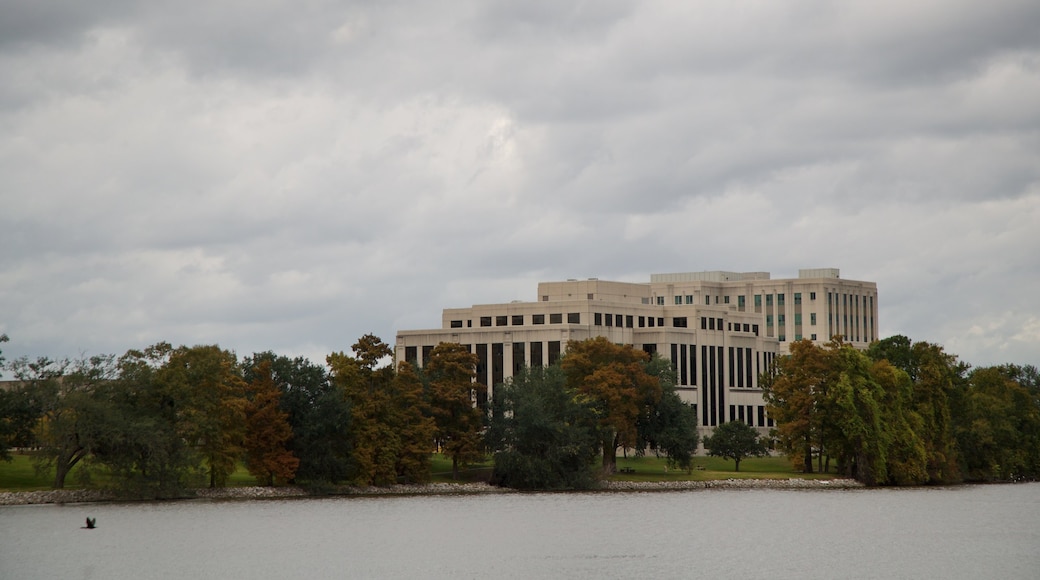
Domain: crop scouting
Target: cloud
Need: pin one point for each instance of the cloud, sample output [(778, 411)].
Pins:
[(270, 175)]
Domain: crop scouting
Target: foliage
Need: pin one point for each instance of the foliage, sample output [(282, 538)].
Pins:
[(735, 440), (670, 426), (543, 435), (208, 393), (392, 436), (318, 413), (452, 392), (999, 430), (71, 418), (268, 431), (615, 381)]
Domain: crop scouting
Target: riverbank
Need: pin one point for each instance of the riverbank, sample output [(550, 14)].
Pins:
[(62, 496)]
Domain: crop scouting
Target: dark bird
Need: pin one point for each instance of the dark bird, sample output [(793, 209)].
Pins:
[(91, 523)]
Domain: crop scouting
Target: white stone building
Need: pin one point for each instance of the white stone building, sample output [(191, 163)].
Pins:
[(720, 330)]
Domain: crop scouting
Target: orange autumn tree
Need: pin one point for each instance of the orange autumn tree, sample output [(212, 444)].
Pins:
[(268, 432), (613, 378)]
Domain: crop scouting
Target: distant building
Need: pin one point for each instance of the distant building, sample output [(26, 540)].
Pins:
[(720, 330)]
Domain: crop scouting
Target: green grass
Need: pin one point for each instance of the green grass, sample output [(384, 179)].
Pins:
[(19, 474), (650, 468)]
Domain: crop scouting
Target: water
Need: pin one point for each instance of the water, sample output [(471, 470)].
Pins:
[(957, 532)]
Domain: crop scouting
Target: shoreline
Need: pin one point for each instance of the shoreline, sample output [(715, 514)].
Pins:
[(64, 496)]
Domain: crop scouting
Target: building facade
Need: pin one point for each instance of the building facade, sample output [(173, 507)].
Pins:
[(720, 330)]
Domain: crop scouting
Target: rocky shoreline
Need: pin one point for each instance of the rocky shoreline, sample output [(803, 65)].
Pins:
[(249, 493)]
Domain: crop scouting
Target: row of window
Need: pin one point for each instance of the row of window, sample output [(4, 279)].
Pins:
[(518, 320)]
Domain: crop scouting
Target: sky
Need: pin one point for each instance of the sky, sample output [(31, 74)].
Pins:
[(288, 176)]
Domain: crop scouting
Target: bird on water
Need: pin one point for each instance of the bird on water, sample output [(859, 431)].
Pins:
[(91, 523)]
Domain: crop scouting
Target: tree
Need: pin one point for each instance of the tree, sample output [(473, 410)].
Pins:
[(72, 419), (392, 436), (268, 457), (319, 414), (670, 426), (735, 440), (999, 426), (614, 379), (208, 391), (452, 392), (794, 391), (543, 435), (937, 379), (19, 414)]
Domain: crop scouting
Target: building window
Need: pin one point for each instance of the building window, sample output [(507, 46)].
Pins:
[(782, 338), (456, 324), (590, 295), (797, 318), (704, 323), (660, 300), (573, 318), (678, 299), (797, 298), (779, 299), (711, 324), (629, 320), (660, 321), (545, 298), (556, 318), (501, 320), (618, 319), (769, 299), (679, 322), (741, 302), (689, 299), (798, 337), (518, 320), (812, 318), (769, 320), (812, 337), (725, 299), (780, 320), (485, 321), (754, 328), (642, 321), (812, 296), (650, 319), (610, 319), (707, 299), (597, 319), (758, 300), (537, 319), (469, 324)]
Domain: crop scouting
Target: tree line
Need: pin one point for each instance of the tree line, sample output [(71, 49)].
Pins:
[(158, 421), (904, 413)]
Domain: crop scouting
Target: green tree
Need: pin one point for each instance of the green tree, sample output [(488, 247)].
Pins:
[(268, 456), (144, 450), (735, 440), (615, 380), (319, 414), (71, 417), (19, 414), (794, 392), (544, 436), (209, 394), (999, 426), (392, 435), (452, 395), (937, 380), (670, 425)]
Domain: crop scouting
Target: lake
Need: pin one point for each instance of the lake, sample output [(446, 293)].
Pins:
[(979, 531)]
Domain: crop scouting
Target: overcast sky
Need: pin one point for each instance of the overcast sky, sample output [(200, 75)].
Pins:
[(288, 176)]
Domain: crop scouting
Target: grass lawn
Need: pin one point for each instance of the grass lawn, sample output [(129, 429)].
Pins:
[(19, 475)]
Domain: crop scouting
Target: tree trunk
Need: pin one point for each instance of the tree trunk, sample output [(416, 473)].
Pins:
[(609, 454), (807, 460), (454, 467), (737, 462)]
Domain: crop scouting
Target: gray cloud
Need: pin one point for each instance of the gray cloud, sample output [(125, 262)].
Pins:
[(290, 176)]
